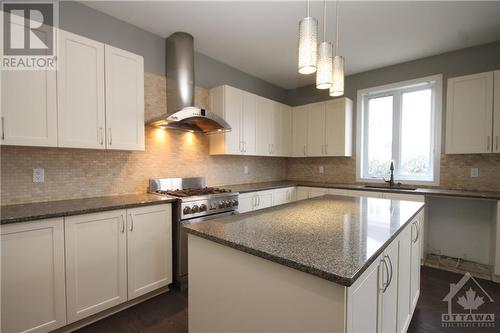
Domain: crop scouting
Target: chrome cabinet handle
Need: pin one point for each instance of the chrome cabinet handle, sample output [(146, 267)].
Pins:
[(326, 149), (123, 223), (131, 223), (488, 143), (110, 137), (305, 153), (385, 283), (241, 146), (3, 129), (391, 273), (417, 228), (101, 135), (244, 146), (496, 142)]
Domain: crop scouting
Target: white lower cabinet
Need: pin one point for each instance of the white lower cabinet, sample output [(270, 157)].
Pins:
[(255, 200), (149, 246), (96, 262), (384, 296), (283, 195), (32, 266), (115, 256)]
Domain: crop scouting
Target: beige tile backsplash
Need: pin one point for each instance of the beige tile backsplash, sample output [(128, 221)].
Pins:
[(455, 171), (78, 173)]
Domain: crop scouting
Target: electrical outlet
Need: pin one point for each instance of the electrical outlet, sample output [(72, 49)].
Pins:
[(38, 175), (245, 170), (474, 172), (321, 169)]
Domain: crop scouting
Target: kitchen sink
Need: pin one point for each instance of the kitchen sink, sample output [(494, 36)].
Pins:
[(396, 187)]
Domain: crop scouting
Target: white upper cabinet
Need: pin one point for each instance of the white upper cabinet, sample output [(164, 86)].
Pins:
[(249, 124), (338, 127), (316, 129), (265, 126), (323, 129), (299, 131), (29, 121), (124, 78), (80, 92), (258, 125), (469, 109), (496, 114)]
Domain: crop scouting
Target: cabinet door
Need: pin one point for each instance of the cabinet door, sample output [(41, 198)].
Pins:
[(389, 292), (469, 110), (265, 126), (246, 202), (299, 131), (149, 249), (302, 193), (29, 121), (276, 145), (338, 127), (316, 129), (285, 131), (249, 123), (496, 114), (280, 196), (415, 264), (124, 99), (96, 263), (32, 257), (80, 92), (404, 277), (362, 302), (264, 199)]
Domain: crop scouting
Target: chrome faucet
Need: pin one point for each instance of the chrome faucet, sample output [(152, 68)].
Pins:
[(391, 180)]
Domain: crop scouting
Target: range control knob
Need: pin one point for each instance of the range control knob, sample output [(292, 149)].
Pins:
[(235, 202), (203, 208), (195, 209), (186, 210), (221, 204)]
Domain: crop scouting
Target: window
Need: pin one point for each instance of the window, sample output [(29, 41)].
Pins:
[(400, 123)]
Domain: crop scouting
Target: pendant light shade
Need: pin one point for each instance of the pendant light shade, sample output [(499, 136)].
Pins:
[(324, 66), (337, 88), (325, 59), (308, 42)]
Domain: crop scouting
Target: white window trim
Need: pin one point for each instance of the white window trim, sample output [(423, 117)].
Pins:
[(437, 128)]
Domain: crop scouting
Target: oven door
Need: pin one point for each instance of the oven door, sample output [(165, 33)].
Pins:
[(183, 242)]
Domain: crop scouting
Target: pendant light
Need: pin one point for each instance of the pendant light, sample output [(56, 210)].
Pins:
[(308, 42), (324, 64), (337, 88)]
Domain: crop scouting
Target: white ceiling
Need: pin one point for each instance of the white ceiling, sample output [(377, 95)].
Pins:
[(260, 37)]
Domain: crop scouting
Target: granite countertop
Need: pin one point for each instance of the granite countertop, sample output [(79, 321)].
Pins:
[(244, 188), (333, 237), (49, 209)]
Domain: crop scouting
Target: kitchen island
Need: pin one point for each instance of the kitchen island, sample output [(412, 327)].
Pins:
[(328, 264)]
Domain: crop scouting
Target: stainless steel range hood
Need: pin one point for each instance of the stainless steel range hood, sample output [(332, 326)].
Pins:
[(181, 112)]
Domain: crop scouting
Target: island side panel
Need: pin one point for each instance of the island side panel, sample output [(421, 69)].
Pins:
[(232, 291)]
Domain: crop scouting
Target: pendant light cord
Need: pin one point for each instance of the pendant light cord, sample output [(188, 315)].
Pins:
[(324, 21), (307, 8), (337, 28)]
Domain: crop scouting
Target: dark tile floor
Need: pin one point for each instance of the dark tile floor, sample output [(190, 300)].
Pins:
[(168, 312)]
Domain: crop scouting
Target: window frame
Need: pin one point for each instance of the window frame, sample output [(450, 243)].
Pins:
[(435, 82)]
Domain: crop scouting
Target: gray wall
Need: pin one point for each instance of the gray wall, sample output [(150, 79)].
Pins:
[(462, 62), (82, 20)]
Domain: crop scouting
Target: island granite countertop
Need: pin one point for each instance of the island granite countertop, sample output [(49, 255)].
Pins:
[(50, 209), (333, 237), (253, 187)]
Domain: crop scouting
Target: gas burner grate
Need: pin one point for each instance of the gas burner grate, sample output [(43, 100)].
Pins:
[(194, 191)]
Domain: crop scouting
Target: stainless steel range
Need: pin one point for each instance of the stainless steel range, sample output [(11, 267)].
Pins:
[(197, 203)]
